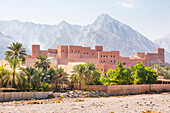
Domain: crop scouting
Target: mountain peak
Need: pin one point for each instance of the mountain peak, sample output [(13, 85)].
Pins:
[(63, 22), (105, 18), (105, 15)]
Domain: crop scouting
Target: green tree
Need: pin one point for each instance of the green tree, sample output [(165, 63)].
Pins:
[(3, 72), (162, 71), (44, 86), (139, 74), (167, 72), (43, 62), (91, 73), (60, 78), (16, 51), (151, 76), (79, 73), (159, 70), (143, 75), (28, 73), (21, 82), (119, 72), (14, 64), (127, 72)]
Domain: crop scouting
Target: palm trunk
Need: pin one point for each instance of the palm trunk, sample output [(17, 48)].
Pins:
[(29, 83), (1, 80), (80, 85), (56, 87), (13, 80), (88, 85)]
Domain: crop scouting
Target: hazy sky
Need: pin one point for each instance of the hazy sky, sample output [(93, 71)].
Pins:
[(149, 17)]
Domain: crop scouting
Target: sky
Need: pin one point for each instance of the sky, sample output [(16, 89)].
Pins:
[(151, 18)]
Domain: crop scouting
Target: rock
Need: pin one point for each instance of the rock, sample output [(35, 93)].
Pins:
[(79, 100), (50, 96)]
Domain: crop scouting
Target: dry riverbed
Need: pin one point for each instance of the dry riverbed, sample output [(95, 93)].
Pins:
[(157, 103)]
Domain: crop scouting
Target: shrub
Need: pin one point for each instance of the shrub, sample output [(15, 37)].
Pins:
[(86, 89)]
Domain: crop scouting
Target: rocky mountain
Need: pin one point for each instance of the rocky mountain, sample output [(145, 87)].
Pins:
[(164, 42), (106, 31), (4, 42)]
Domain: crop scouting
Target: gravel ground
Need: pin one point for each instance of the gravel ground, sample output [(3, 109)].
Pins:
[(118, 104)]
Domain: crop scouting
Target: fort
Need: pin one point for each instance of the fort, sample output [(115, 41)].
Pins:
[(67, 56)]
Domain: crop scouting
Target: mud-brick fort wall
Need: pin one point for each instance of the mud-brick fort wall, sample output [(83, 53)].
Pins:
[(104, 60)]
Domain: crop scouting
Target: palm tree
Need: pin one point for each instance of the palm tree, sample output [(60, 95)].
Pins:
[(21, 82), (16, 50), (79, 73), (159, 70), (14, 64), (3, 72), (91, 73), (43, 62), (29, 72), (59, 78)]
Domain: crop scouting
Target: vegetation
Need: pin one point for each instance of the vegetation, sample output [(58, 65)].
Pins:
[(16, 50), (3, 73), (60, 78), (43, 62), (137, 74), (162, 71), (42, 77), (85, 73)]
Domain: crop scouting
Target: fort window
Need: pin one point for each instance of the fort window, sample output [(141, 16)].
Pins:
[(63, 50), (114, 60), (103, 60), (111, 55), (111, 61), (101, 69), (124, 63), (71, 50), (106, 56), (101, 55), (78, 51), (114, 56), (92, 53), (84, 53), (87, 53)]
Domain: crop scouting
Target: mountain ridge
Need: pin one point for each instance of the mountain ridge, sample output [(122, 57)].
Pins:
[(105, 30)]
